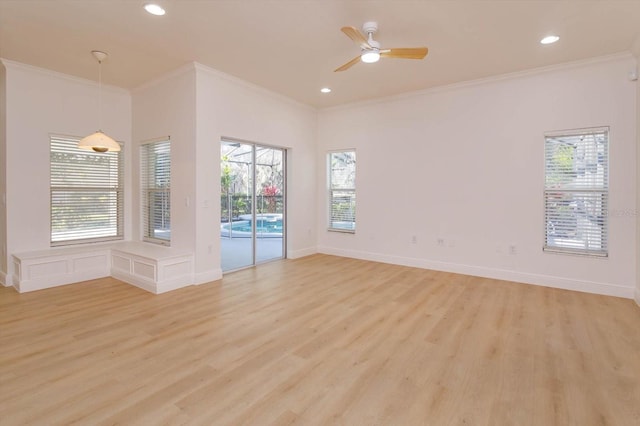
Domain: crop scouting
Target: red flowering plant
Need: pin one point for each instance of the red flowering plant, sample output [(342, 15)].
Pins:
[(269, 194)]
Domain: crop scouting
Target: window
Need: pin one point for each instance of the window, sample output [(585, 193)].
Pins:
[(342, 191), (155, 174), (86, 193), (576, 192)]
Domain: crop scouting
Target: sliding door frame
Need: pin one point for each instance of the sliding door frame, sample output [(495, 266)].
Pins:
[(254, 148)]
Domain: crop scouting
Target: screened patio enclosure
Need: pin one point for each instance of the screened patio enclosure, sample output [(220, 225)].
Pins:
[(252, 204)]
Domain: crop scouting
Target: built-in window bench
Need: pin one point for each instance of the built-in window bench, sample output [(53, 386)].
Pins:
[(154, 268)]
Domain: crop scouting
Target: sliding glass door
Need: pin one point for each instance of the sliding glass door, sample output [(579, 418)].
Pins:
[(253, 208)]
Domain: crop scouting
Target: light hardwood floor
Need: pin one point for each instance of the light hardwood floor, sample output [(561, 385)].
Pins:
[(320, 340)]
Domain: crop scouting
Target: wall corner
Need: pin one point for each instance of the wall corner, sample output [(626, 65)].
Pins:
[(635, 49)]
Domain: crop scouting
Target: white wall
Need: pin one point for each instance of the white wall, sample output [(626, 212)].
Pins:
[(636, 52), (167, 107), (231, 108), (462, 163), (197, 106), (3, 180), (465, 164), (228, 107), (38, 103)]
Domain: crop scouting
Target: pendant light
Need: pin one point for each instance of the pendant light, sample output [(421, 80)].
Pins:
[(98, 141)]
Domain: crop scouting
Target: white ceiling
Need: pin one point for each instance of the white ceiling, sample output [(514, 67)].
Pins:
[(293, 46)]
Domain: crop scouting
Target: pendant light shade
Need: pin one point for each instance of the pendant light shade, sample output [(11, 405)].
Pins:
[(98, 141)]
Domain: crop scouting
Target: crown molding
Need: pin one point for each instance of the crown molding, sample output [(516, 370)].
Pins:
[(198, 67), (483, 81), (635, 47), (254, 87), (184, 69), (9, 64)]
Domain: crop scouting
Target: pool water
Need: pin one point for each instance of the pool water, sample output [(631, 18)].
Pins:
[(262, 225), (266, 226)]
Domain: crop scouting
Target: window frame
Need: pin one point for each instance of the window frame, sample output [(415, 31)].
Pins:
[(582, 198), (149, 192), (348, 190), (65, 144)]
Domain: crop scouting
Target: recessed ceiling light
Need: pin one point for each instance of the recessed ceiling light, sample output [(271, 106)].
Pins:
[(325, 90), (550, 39), (154, 9)]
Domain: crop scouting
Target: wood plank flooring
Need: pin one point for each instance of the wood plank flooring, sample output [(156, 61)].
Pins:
[(321, 340)]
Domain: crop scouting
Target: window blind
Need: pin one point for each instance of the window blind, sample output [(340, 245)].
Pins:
[(155, 173), (576, 191), (86, 193), (342, 191)]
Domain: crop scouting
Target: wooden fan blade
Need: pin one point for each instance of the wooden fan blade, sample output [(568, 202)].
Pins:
[(356, 36), (348, 64), (405, 53)]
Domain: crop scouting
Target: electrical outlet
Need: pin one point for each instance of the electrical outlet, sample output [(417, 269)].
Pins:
[(414, 239), (513, 249), (440, 242)]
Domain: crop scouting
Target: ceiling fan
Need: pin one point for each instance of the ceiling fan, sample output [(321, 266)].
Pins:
[(370, 49)]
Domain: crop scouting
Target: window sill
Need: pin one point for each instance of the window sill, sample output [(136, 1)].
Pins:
[(342, 231), (595, 254)]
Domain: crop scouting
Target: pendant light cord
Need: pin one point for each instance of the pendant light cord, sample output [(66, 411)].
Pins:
[(99, 95)]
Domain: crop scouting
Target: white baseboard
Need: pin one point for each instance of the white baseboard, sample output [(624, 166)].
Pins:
[(295, 254), (150, 285), (637, 298), (606, 289), (5, 279), (207, 276), (131, 279), (173, 284)]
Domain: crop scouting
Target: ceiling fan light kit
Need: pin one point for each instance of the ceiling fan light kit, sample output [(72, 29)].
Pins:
[(370, 48), (369, 57), (550, 39), (154, 9)]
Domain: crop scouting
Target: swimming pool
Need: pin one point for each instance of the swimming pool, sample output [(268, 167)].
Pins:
[(268, 225)]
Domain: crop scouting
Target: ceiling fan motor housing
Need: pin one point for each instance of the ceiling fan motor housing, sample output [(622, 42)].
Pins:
[(374, 45), (370, 27), (99, 55)]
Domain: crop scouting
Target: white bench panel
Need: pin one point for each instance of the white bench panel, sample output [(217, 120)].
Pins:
[(39, 270), (153, 268)]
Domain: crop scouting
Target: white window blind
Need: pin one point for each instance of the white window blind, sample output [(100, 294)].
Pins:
[(342, 191), (155, 173), (576, 193), (86, 193)]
